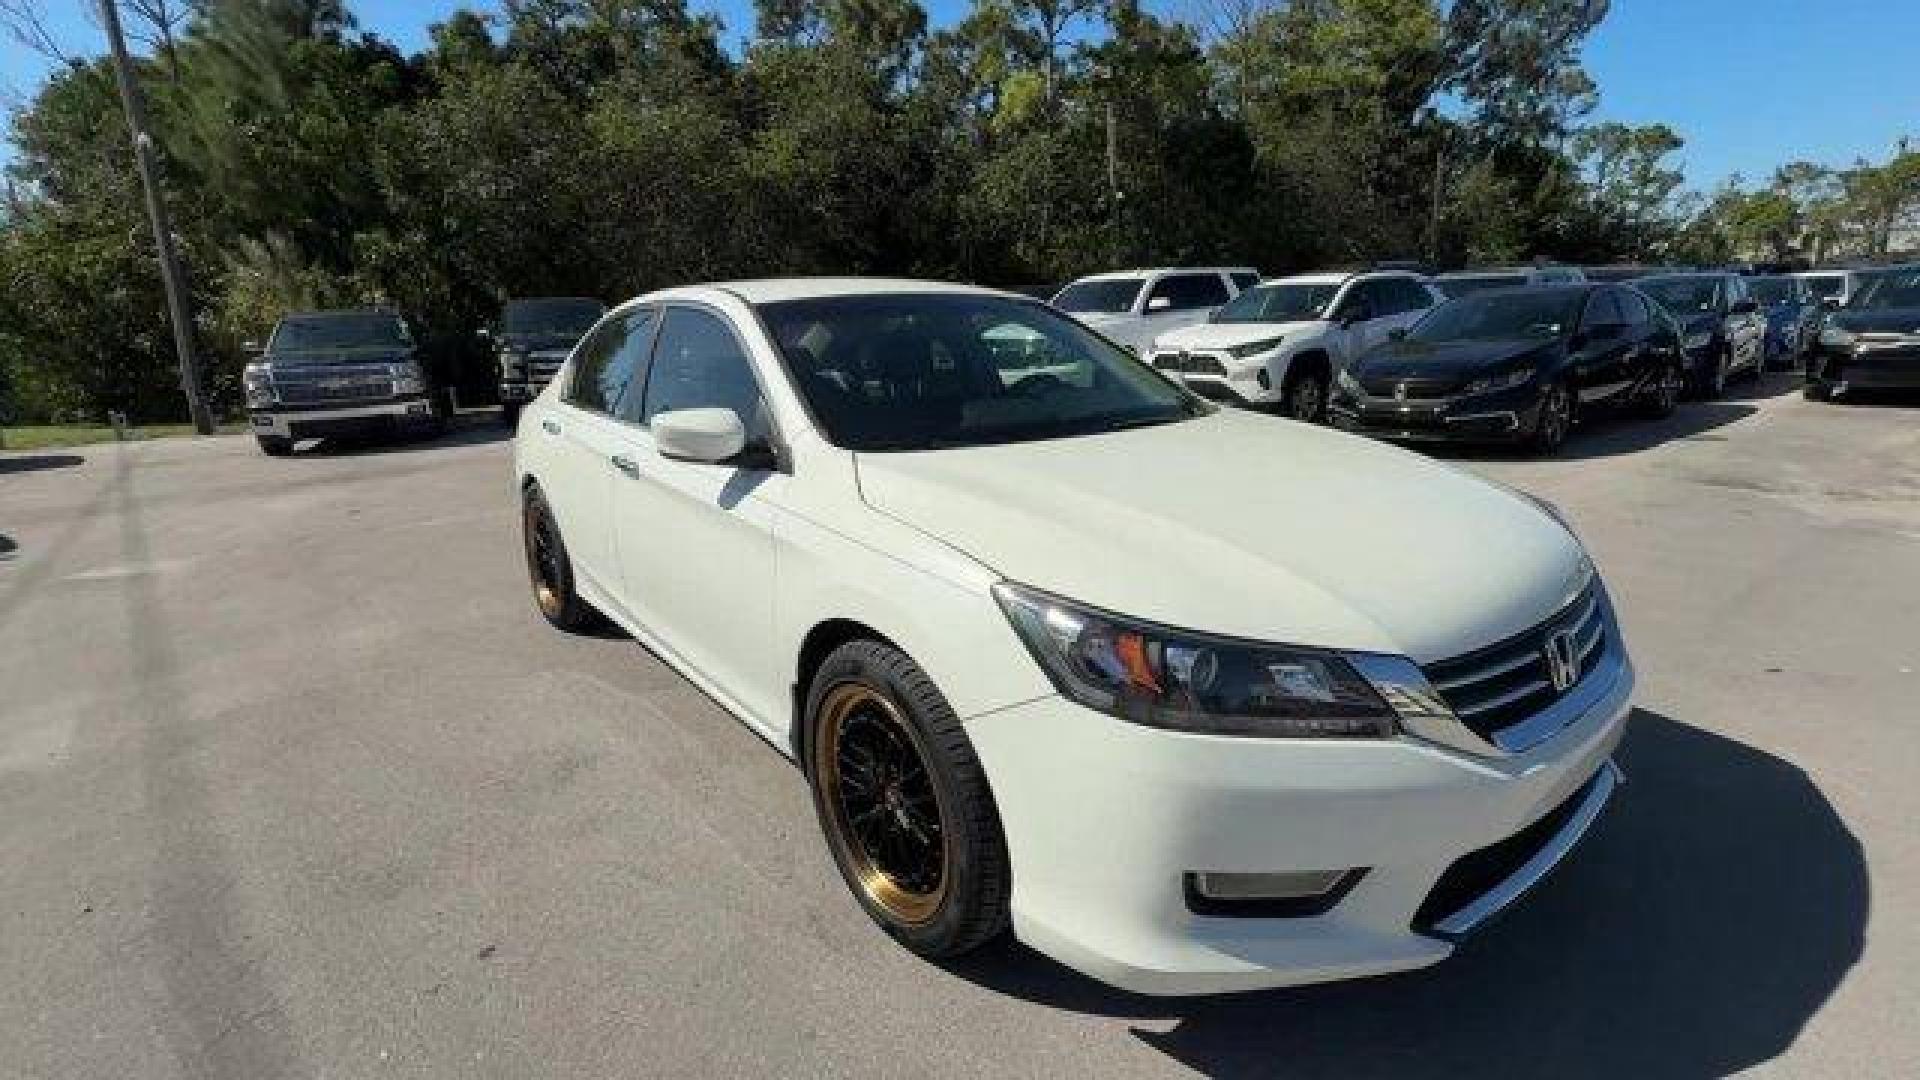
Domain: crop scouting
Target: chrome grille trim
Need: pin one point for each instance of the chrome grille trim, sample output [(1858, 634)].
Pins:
[(1507, 698), (1501, 693)]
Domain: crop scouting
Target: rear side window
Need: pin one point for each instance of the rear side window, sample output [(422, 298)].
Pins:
[(1409, 295), (698, 363), (605, 363), (1186, 292)]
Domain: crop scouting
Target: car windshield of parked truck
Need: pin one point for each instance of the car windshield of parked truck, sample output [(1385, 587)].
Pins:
[(308, 333), (1885, 292), (557, 316), (1771, 292), (1461, 286), (1287, 301), (1680, 294), (1826, 285), (933, 371), (1501, 316), (1104, 296)]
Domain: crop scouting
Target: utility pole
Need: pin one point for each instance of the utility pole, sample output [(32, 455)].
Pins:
[(157, 210), (1113, 173)]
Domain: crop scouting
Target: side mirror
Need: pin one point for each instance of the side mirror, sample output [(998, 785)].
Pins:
[(1159, 303), (705, 435)]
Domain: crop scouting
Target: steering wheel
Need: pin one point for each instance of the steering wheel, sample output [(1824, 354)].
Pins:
[(1036, 384)]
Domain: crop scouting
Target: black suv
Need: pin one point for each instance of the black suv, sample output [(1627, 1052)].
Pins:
[(532, 341), (329, 374), (1873, 341)]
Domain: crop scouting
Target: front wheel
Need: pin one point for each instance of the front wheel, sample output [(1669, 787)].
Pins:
[(275, 445), (550, 567), (510, 414), (1666, 393), (1305, 398), (1556, 419), (904, 803)]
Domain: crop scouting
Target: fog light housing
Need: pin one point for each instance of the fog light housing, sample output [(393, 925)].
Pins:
[(1269, 895)]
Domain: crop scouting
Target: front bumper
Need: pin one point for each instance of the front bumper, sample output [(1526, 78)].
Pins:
[(523, 390), (412, 413), (1894, 367), (1104, 820), (1501, 416), (1219, 376)]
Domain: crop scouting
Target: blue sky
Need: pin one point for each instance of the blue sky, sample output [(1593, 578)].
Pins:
[(1748, 83)]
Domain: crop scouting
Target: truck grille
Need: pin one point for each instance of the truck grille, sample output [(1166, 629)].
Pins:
[(543, 366), (1492, 689), (334, 383)]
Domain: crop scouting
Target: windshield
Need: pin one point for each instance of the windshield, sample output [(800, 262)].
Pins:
[(1680, 294), (1826, 285), (1502, 316), (1280, 302), (1894, 289), (559, 316), (1461, 286), (1771, 292), (1106, 296), (929, 371), (370, 330)]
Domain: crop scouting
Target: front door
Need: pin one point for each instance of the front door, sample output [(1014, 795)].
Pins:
[(584, 435), (695, 539)]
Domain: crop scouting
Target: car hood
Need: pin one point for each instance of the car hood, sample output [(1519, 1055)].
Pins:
[(1449, 362), (1213, 335), (1105, 318), (1879, 321), (1247, 526)]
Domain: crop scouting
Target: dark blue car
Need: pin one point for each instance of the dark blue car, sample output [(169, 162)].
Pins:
[(1792, 316)]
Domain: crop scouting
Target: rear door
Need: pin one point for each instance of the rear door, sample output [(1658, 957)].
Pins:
[(582, 436)]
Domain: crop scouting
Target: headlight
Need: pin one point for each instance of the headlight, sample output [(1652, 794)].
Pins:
[(1348, 383), (407, 379), (1506, 380), (1696, 341), (1182, 681), (513, 365), (1254, 348), (257, 379), (1836, 337)]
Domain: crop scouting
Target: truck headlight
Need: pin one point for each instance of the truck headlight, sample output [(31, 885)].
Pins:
[(257, 379), (1183, 681), (1836, 337), (1696, 341), (513, 365), (408, 379), (1255, 348), (1506, 380)]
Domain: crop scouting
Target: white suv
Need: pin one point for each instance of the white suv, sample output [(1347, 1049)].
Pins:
[(1278, 344), (1133, 307), (1188, 699)]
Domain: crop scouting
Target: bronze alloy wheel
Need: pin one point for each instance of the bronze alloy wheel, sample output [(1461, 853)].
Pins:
[(887, 816), (545, 559)]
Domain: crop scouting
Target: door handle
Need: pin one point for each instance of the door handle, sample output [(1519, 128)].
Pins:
[(550, 427), (625, 464)]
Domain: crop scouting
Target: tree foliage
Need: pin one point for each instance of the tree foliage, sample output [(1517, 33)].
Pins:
[(612, 146)]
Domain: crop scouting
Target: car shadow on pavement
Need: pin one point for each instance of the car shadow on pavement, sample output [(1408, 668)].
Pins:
[(476, 430), (1611, 435), (26, 463), (1707, 918)]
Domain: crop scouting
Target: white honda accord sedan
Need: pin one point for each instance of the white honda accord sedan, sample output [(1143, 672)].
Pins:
[(1191, 699)]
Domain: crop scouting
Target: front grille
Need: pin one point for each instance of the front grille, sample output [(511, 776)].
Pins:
[(1494, 688), (1188, 363), (1416, 389), (334, 384)]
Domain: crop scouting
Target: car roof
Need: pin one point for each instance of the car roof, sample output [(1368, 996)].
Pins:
[(776, 290), (341, 313), (1149, 271), (1328, 278)]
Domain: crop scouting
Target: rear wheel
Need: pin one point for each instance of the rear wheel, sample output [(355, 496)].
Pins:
[(550, 568), (1666, 393), (275, 445), (1713, 382), (904, 803), (510, 413)]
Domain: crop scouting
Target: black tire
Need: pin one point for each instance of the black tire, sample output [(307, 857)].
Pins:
[(867, 695), (510, 413), (1304, 398), (1713, 383), (1665, 397), (1556, 419), (1817, 391), (275, 445), (550, 567)]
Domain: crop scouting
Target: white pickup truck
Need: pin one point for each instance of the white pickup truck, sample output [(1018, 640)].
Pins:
[(1133, 307)]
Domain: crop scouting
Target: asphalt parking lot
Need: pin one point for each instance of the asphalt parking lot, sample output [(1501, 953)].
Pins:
[(295, 782)]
